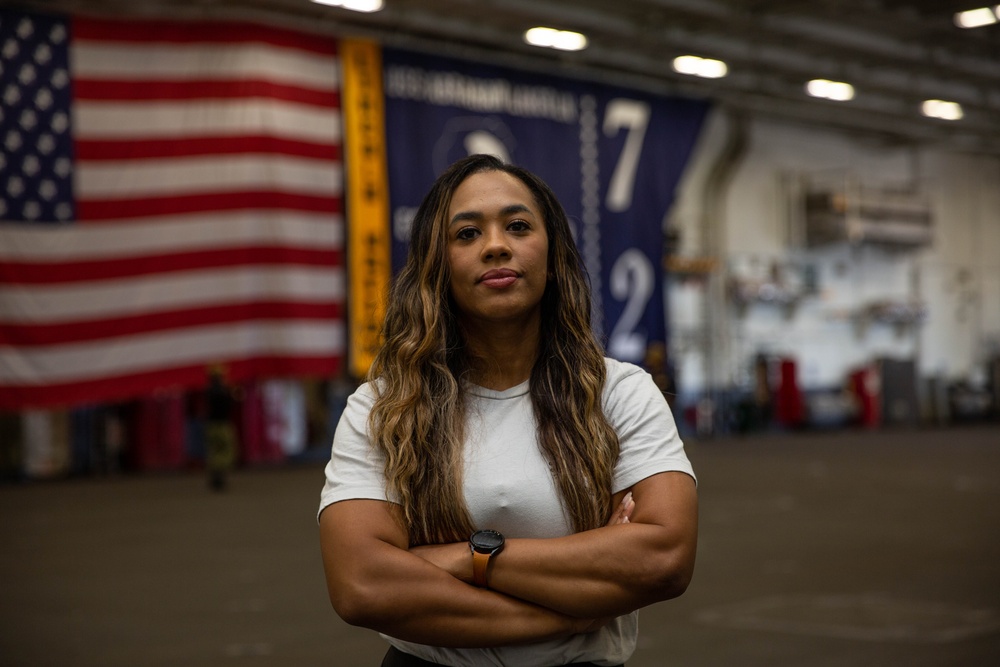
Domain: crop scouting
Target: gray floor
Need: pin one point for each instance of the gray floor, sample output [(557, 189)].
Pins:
[(815, 549)]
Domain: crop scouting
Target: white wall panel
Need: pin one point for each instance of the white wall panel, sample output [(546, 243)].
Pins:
[(957, 277)]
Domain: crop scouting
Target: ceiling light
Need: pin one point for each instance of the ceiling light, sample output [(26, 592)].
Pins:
[(564, 40), (942, 109), (354, 5), (975, 18), (703, 67), (831, 90)]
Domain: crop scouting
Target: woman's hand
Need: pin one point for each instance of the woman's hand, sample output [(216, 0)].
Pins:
[(623, 511)]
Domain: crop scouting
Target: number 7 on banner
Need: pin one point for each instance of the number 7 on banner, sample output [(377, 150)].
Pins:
[(633, 115)]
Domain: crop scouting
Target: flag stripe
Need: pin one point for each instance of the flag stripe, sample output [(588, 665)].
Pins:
[(75, 303), (44, 273), (211, 32), (110, 149), (25, 244), (62, 333), (168, 119), (208, 174), (143, 352), (129, 62), (121, 209), (219, 89), (118, 387)]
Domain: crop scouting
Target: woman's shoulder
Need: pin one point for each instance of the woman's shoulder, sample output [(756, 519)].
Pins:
[(619, 370), (363, 396)]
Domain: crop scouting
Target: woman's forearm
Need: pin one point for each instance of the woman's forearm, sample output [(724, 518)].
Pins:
[(604, 572), (608, 571), (375, 583)]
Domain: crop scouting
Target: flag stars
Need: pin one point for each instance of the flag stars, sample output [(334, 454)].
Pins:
[(27, 75), (31, 166), (60, 79), (60, 122), (15, 186), (62, 167), (43, 99), (47, 190), (12, 142), (11, 49), (12, 95), (29, 119), (25, 28), (58, 34), (46, 144), (63, 211), (43, 54)]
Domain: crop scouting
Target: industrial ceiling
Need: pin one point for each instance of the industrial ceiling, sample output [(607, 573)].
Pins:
[(896, 53)]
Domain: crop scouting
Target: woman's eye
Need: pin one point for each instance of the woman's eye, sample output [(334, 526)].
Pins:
[(467, 234), (518, 226)]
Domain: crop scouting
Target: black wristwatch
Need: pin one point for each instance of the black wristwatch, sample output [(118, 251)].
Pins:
[(484, 545)]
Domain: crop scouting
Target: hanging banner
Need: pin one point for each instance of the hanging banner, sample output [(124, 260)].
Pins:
[(368, 253), (612, 156)]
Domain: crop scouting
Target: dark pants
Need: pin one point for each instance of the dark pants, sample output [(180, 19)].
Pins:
[(396, 658)]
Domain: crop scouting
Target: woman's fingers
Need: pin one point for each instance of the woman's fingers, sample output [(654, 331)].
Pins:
[(623, 511)]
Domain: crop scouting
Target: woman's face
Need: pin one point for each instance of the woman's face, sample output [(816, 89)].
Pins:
[(497, 249)]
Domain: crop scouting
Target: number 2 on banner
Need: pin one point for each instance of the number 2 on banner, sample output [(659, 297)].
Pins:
[(634, 116), (632, 279)]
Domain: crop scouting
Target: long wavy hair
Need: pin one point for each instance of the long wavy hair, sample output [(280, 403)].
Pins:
[(418, 418)]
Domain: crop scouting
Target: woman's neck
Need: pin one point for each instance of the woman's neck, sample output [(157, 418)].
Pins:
[(501, 357)]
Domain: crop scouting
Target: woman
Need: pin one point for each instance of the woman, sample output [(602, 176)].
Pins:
[(492, 407)]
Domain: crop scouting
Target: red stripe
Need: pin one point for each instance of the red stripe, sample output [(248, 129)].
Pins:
[(87, 150), (121, 209), (124, 387), (45, 273), (135, 91), (191, 32), (88, 330)]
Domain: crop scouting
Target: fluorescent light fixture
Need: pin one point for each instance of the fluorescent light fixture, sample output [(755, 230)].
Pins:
[(975, 18), (831, 90), (703, 67), (354, 5), (564, 40), (942, 109)]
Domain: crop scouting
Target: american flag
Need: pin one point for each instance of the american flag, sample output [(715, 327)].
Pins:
[(170, 199)]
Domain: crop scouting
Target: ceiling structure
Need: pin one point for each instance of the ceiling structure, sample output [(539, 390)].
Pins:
[(896, 53)]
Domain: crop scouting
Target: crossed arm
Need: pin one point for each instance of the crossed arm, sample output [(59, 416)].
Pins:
[(539, 588)]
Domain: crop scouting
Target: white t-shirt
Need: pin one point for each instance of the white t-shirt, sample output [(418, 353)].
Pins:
[(508, 487)]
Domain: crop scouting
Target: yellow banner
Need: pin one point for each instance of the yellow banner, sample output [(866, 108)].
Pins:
[(369, 260)]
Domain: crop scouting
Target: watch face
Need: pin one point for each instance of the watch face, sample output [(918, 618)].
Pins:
[(486, 541)]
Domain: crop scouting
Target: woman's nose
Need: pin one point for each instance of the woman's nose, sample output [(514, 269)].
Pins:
[(495, 244)]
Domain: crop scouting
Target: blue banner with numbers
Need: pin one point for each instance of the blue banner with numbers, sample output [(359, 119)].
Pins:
[(612, 156)]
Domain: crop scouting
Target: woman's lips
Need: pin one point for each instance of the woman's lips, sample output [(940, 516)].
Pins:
[(498, 278)]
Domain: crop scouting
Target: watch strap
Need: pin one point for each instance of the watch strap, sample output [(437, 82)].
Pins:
[(479, 563)]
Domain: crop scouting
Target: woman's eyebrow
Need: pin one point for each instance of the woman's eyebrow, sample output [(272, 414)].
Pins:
[(510, 209)]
